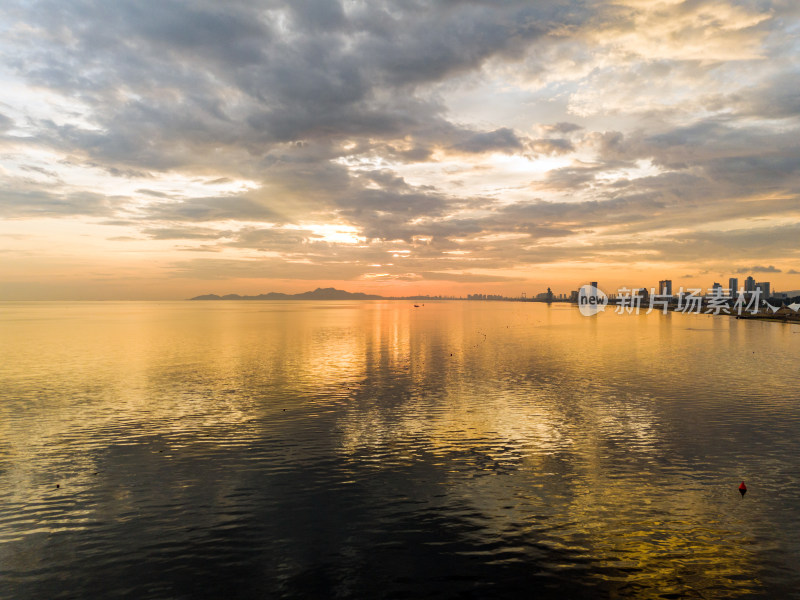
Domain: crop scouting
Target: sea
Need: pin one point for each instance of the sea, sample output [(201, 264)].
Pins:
[(378, 449)]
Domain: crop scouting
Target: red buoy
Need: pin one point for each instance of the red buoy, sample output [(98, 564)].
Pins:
[(742, 489)]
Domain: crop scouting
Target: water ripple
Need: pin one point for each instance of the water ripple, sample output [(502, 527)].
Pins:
[(478, 450)]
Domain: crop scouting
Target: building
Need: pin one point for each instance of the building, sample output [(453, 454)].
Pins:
[(749, 284), (764, 287), (716, 289), (665, 287), (545, 296), (733, 285)]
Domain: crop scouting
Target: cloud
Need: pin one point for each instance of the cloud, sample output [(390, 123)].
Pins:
[(759, 269), (22, 199), (278, 268), (184, 233), (707, 30), (467, 277), (5, 123), (502, 140), (562, 127), (212, 208), (200, 77), (552, 146), (273, 239), (502, 134), (775, 98)]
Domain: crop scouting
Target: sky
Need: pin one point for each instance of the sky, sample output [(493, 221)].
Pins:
[(161, 150)]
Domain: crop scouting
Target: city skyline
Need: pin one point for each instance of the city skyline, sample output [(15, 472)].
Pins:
[(666, 287), (178, 149)]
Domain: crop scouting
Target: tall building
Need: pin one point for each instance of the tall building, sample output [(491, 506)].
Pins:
[(665, 287), (733, 285), (593, 284), (749, 284), (716, 289), (764, 287)]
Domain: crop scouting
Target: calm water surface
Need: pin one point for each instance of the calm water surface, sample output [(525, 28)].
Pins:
[(377, 450)]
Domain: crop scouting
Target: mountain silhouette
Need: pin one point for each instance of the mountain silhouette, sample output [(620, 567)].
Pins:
[(317, 294)]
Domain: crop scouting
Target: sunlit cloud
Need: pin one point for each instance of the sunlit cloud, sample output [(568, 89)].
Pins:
[(445, 145)]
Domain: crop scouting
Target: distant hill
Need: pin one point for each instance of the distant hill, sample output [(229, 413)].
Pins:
[(317, 294)]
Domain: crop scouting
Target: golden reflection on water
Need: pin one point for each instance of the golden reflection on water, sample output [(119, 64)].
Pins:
[(567, 430), (668, 543)]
